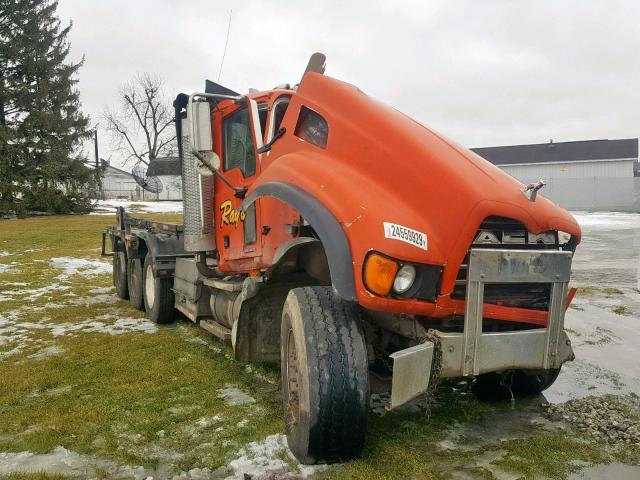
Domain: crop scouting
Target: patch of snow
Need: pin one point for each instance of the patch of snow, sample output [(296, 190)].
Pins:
[(181, 410), (51, 391), (205, 422), (5, 254), (80, 266), (100, 290), (200, 341), (61, 461), (196, 474), (120, 326), (13, 351), (101, 298), (242, 423), (263, 460), (107, 207), (33, 293), (608, 220), (46, 353), (5, 267), (235, 397)]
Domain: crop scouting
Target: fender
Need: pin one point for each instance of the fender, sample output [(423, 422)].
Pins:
[(161, 243), (326, 226)]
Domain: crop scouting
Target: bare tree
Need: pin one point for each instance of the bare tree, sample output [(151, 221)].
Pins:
[(141, 125)]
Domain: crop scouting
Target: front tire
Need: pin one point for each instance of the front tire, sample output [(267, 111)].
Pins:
[(120, 274), (523, 384), (158, 295), (324, 376)]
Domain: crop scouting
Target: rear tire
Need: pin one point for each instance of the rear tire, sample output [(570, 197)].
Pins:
[(134, 282), (158, 294), (524, 384), (120, 274), (325, 378)]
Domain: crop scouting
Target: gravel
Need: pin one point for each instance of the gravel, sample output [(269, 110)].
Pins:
[(602, 418)]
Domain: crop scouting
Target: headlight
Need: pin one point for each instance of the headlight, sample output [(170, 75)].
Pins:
[(404, 279), (398, 279)]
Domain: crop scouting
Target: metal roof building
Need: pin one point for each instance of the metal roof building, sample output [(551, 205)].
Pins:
[(581, 175), (168, 171)]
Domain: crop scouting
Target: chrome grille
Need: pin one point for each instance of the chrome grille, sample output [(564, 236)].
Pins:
[(506, 233)]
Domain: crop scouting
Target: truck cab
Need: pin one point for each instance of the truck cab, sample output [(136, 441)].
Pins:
[(334, 235)]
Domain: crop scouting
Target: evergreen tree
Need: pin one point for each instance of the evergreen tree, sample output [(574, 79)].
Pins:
[(41, 126)]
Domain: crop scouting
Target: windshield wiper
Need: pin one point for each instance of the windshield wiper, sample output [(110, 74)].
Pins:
[(266, 147)]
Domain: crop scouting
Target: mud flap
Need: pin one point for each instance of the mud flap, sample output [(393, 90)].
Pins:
[(411, 372)]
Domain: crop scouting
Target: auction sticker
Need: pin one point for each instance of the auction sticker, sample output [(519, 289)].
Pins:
[(405, 234)]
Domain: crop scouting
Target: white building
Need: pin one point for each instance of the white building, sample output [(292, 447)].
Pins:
[(117, 183), (168, 171), (581, 175)]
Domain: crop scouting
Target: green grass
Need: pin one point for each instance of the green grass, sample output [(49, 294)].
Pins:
[(32, 476), (605, 291), (139, 398), (622, 310), (134, 398)]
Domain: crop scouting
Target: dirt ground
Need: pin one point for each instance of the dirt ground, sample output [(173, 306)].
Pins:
[(91, 389)]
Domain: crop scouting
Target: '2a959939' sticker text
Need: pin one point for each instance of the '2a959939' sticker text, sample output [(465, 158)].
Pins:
[(405, 234)]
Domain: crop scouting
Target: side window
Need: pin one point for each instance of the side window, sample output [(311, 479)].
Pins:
[(263, 111), (250, 227), (278, 114), (238, 143), (312, 127)]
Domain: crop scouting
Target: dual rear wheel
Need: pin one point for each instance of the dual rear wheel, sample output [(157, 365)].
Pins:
[(135, 279)]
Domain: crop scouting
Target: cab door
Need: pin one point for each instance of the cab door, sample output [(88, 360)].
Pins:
[(237, 232)]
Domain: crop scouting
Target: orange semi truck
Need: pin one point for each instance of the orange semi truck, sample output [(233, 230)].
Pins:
[(334, 235)]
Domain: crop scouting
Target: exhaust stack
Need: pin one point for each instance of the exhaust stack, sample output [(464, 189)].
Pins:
[(197, 192)]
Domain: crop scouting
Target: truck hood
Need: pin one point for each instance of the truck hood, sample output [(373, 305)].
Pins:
[(425, 179)]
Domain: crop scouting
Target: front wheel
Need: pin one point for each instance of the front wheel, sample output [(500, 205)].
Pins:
[(523, 383), (158, 295), (324, 376)]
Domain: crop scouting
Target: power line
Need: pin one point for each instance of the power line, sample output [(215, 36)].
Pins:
[(226, 42)]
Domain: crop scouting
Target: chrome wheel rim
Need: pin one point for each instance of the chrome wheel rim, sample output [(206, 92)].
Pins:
[(149, 287)]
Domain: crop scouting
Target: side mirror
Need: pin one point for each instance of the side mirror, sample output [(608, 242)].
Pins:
[(200, 135)]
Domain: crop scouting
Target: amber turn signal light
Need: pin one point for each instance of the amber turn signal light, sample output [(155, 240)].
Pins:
[(379, 274)]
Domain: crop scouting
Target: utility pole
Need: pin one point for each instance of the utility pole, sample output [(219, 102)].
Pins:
[(95, 144)]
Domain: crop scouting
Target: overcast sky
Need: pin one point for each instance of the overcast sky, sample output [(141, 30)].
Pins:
[(484, 73)]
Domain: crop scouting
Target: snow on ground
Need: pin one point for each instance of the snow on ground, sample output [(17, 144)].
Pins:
[(234, 396), (607, 220), (107, 207), (80, 266), (263, 460), (603, 323), (6, 267), (61, 461), (14, 331), (34, 293), (46, 352)]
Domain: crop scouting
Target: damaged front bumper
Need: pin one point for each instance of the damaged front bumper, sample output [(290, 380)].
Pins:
[(473, 352)]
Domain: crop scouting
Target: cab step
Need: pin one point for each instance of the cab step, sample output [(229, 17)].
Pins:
[(219, 330)]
